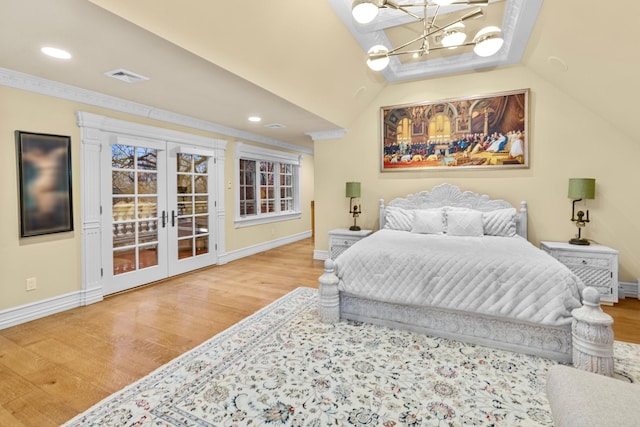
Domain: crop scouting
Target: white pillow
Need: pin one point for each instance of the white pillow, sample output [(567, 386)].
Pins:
[(398, 219), (428, 221), (464, 223), (501, 222)]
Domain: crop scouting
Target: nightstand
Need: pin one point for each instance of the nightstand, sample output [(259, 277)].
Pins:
[(596, 265), (341, 238)]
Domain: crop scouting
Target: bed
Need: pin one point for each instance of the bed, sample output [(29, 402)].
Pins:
[(457, 265)]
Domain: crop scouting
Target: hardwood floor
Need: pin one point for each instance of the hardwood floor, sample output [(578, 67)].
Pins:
[(53, 368)]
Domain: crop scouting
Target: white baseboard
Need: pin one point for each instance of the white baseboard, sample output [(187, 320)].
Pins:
[(35, 310), (629, 289), (256, 249), (321, 255)]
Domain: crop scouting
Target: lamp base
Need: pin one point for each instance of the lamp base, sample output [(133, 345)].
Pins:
[(357, 228), (576, 241)]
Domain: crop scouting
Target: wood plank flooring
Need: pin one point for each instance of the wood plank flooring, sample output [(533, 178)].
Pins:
[(53, 368)]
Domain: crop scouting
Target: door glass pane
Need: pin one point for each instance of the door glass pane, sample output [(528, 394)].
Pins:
[(147, 183), (124, 261), (147, 159), (202, 245), (201, 184), (193, 218), (123, 182), (201, 164), (202, 224), (185, 205), (185, 248), (122, 156), (184, 184), (202, 204), (148, 256), (184, 162), (185, 227), (135, 217)]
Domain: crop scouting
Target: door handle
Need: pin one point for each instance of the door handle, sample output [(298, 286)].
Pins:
[(164, 219), (173, 218)]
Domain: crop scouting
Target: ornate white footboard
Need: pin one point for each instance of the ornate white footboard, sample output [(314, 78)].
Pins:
[(550, 342)]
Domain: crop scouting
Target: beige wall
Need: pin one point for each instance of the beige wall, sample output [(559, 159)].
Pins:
[(567, 140), (55, 260)]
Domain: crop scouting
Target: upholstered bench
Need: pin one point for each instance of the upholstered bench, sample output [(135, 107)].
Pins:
[(582, 399)]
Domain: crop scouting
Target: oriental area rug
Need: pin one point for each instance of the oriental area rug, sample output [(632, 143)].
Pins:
[(282, 367)]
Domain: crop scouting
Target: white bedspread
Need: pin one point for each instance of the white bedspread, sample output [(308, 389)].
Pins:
[(496, 276)]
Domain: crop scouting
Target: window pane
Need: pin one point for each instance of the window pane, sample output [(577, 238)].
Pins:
[(147, 207), (185, 205), (124, 234), (123, 208), (147, 231)]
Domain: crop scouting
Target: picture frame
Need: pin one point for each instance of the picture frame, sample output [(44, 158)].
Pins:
[(44, 180), (477, 132)]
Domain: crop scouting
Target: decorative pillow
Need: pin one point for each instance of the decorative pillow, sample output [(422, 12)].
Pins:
[(464, 223), (398, 219), (428, 221), (501, 222)]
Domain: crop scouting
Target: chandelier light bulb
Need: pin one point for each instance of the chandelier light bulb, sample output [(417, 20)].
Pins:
[(453, 35), (443, 2), (488, 41), (378, 60), (364, 11)]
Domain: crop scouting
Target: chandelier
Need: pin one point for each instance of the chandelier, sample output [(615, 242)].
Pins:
[(486, 42)]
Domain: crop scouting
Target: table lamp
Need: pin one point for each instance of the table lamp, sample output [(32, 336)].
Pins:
[(353, 192), (580, 188)]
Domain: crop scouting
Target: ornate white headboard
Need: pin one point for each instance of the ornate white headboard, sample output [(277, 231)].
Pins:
[(450, 195)]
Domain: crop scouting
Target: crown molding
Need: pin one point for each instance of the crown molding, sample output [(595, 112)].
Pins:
[(327, 134), (18, 80)]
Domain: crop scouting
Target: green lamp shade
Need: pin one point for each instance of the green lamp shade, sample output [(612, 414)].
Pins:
[(353, 189), (582, 188)]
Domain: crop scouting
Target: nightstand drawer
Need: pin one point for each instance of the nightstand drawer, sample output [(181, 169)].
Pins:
[(595, 265), (341, 239), (585, 261)]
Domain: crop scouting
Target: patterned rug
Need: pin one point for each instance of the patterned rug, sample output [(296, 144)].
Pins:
[(281, 366)]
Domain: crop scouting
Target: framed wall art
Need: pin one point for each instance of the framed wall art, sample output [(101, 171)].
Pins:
[(476, 132), (44, 176)]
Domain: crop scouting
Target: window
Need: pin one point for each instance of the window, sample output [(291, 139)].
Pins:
[(268, 187)]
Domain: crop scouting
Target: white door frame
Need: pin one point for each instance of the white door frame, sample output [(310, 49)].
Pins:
[(96, 131)]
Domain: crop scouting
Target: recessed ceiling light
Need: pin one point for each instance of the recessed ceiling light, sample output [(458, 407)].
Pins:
[(254, 119), (55, 52)]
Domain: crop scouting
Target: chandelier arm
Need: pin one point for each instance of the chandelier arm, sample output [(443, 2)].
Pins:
[(405, 52)]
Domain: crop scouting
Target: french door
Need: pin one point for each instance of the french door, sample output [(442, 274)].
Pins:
[(158, 209)]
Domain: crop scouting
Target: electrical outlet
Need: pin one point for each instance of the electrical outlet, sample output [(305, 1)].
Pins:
[(32, 284)]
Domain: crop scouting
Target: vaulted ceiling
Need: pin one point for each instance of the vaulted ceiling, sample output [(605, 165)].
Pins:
[(296, 63)]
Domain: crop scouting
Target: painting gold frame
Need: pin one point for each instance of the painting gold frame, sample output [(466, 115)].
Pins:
[(477, 132)]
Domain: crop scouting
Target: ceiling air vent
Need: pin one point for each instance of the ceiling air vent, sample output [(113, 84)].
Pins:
[(275, 126), (126, 76)]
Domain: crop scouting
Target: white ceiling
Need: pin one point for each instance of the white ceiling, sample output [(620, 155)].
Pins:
[(298, 63), (516, 19)]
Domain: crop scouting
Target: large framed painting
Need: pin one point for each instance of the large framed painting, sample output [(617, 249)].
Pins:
[(476, 132), (44, 175)]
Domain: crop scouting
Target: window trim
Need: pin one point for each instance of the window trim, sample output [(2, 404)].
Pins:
[(259, 154)]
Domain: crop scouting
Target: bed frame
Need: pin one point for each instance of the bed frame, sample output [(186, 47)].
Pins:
[(547, 341)]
